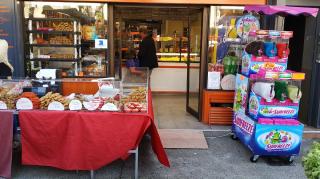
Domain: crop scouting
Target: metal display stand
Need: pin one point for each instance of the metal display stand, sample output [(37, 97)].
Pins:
[(136, 164)]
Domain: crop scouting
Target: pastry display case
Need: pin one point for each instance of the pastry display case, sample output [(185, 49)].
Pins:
[(71, 37), (105, 94)]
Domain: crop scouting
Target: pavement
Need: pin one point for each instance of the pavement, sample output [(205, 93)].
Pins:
[(225, 158)]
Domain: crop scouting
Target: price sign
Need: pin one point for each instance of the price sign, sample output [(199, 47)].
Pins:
[(91, 106), (109, 107), (55, 106), (75, 105), (3, 105), (24, 104)]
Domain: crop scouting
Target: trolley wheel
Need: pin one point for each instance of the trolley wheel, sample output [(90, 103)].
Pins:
[(291, 159), (254, 158), (234, 137)]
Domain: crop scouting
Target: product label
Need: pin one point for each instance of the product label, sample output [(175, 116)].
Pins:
[(278, 140), (244, 123), (241, 94), (268, 66), (24, 104), (75, 105), (245, 24), (245, 63), (56, 106), (278, 111), (3, 105), (253, 105)]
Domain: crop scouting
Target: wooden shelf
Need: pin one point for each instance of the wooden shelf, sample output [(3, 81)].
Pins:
[(52, 32), (55, 59), (215, 114), (54, 45), (52, 19)]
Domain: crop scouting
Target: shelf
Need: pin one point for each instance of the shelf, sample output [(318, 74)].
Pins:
[(177, 61), (177, 54), (52, 19), (52, 32), (54, 59), (86, 76), (87, 41), (54, 45)]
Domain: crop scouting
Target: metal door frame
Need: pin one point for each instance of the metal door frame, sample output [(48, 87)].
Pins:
[(203, 59)]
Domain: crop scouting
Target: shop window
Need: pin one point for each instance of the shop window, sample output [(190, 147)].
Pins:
[(70, 37), (228, 33)]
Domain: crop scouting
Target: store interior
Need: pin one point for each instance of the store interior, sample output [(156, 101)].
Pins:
[(171, 28)]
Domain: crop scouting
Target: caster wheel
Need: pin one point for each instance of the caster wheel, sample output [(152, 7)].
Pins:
[(254, 158), (234, 137), (290, 159)]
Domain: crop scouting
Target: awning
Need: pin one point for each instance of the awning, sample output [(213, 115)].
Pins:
[(280, 10)]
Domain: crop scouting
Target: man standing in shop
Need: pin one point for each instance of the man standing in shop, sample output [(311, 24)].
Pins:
[(147, 51)]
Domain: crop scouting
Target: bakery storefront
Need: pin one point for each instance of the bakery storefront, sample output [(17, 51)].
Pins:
[(71, 84), (85, 40)]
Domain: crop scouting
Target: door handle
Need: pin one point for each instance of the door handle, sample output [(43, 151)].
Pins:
[(318, 60)]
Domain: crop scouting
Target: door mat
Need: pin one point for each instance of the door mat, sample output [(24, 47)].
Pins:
[(183, 139)]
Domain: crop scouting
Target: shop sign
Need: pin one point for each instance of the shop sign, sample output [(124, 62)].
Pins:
[(75, 105), (101, 43), (56, 106), (3, 105), (24, 104)]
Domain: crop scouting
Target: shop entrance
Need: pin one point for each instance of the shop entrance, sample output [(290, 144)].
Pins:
[(177, 33)]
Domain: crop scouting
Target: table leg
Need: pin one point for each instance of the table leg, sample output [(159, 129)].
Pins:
[(136, 162), (91, 174)]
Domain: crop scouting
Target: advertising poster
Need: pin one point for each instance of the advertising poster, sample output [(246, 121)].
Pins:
[(9, 32)]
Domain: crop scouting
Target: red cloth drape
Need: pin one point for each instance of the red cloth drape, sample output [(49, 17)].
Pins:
[(84, 140), (6, 132)]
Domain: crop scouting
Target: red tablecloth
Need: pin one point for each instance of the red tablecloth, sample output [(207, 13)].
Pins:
[(6, 131), (84, 140)]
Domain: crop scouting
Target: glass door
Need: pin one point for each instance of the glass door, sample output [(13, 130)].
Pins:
[(194, 34)]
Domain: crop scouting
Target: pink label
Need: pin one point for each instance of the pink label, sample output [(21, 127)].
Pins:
[(275, 59), (276, 102)]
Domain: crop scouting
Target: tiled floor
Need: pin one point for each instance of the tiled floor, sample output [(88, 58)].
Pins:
[(170, 112)]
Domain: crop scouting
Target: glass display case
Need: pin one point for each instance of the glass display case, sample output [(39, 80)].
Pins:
[(102, 94), (175, 49), (71, 37), (229, 30)]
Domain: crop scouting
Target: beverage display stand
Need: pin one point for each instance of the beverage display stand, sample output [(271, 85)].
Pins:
[(266, 103)]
